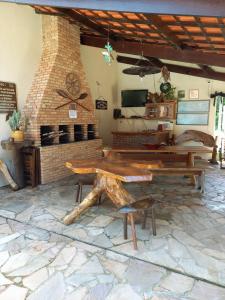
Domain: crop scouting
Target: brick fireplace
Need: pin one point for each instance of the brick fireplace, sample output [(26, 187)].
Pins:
[(59, 137)]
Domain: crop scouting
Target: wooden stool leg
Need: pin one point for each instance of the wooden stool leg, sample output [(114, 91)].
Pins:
[(153, 222), (99, 200), (133, 231), (199, 183), (78, 192), (80, 196), (145, 218), (125, 226), (203, 182)]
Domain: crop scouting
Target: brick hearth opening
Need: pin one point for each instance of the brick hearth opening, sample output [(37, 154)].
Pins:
[(59, 137)]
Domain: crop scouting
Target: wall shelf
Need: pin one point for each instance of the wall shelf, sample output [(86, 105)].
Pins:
[(129, 118), (161, 111), (157, 111)]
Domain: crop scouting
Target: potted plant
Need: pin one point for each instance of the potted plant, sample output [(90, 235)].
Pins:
[(170, 94), (18, 124)]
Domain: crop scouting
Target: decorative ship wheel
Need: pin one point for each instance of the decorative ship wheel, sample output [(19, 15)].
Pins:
[(72, 84)]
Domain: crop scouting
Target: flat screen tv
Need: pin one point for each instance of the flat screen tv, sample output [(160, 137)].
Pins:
[(134, 98)]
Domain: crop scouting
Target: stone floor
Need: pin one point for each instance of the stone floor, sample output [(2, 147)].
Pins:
[(41, 258), (40, 265)]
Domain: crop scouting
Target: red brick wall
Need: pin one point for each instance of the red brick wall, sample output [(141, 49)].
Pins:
[(53, 158), (60, 56)]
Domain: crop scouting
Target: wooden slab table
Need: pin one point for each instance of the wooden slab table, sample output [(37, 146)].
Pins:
[(110, 175), (190, 151)]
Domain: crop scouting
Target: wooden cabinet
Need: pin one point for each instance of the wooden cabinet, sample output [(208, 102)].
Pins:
[(161, 111)]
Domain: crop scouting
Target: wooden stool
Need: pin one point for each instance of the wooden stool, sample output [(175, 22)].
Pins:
[(85, 180), (144, 206)]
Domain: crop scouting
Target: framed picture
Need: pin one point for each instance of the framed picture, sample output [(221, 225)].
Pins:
[(72, 111), (72, 114), (101, 104), (8, 99), (194, 94), (181, 94)]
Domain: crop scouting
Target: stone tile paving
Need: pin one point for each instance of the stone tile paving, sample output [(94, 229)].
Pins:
[(40, 265), (190, 235)]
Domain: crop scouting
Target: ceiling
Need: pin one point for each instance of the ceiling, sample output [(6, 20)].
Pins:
[(182, 32), (194, 39)]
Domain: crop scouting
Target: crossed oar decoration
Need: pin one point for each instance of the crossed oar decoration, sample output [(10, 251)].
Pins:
[(66, 95)]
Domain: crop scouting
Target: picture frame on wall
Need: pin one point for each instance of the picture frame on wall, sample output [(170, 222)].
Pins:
[(194, 94), (101, 104), (181, 94), (8, 97)]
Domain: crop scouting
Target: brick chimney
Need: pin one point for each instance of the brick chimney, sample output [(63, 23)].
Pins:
[(59, 137)]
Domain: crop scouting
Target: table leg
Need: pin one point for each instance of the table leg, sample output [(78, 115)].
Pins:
[(112, 187), (125, 227), (191, 164), (133, 231), (190, 160)]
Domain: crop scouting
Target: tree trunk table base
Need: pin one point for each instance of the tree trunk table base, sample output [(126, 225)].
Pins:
[(110, 175), (114, 190)]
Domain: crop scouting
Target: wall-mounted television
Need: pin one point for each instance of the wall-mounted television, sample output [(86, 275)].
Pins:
[(134, 98)]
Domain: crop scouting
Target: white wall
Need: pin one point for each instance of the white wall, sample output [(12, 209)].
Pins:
[(181, 82), (20, 49), (98, 70)]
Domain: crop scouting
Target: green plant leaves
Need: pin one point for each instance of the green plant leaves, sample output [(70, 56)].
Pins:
[(14, 120)]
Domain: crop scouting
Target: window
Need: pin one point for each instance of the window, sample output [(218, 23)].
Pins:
[(220, 114), (193, 112)]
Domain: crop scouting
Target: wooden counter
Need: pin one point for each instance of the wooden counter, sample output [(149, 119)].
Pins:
[(138, 138), (150, 132)]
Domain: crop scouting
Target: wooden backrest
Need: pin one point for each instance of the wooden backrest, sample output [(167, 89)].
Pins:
[(197, 136)]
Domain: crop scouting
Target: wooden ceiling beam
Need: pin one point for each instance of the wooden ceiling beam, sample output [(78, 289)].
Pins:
[(137, 30), (156, 20), (136, 22), (155, 61), (188, 43), (73, 15), (139, 62), (164, 32), (199, 41), (209, 71), (172, 68), (206, 68), (168, 23), (177, 32), (163, 52), (48, 13), (177, 22), (210, 8)]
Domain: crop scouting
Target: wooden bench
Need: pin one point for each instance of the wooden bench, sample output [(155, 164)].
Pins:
[(163, 161), (164, 157), (184, 171)]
